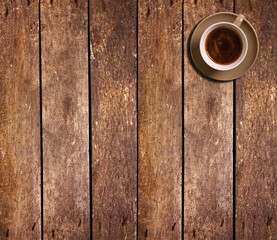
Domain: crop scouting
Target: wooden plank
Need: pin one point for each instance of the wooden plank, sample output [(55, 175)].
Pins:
[(256, 145), (65, 119), (20, 212), (114, 137), (160, 119), (208, 141)]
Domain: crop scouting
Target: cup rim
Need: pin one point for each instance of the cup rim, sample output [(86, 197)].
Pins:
[(209, 61)]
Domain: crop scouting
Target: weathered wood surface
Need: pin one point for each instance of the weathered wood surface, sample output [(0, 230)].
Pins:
[(160, 119), (64, 26), (208, 141), (116, 154), (257, 130), (114, 125), (19, 121)]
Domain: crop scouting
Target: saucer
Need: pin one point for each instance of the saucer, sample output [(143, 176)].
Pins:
[(252, 53)]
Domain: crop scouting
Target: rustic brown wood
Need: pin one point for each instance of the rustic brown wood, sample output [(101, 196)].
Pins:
[(160, 119), (257, 130), (114, 137), (208, 122), (208, 141), (20, 213), (65, 119)]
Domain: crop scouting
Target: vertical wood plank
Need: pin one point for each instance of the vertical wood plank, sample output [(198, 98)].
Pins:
[(160, 119), (20, 215), (256, 145), (65, 119), (114, 132), (208, 141)]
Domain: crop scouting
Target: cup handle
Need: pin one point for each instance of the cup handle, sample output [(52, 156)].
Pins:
[(239, 20)]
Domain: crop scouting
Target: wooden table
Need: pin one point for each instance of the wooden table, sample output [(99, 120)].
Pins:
[(107, 130)]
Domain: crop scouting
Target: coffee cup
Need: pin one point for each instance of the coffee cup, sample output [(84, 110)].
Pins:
[(224, 45)]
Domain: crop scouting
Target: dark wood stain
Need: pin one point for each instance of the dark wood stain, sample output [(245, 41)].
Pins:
[(99, 227), (103, 5), (160, 120), (65, 120), (250, 5), (114, 128), (68, 108), (256, 122), (208, 142)]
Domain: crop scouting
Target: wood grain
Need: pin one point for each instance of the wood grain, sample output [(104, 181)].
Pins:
[(65, 119), (257, 130), (20, 212), (160, 119), (114, 127), (208, 141)]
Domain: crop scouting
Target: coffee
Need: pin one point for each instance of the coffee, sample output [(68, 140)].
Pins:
[(223, 45)]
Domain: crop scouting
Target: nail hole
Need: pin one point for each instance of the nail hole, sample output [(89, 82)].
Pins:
[(33, 227), (80, 222), (148, 12), (173, 226), (269, 220), (7, 12), (124, 221)]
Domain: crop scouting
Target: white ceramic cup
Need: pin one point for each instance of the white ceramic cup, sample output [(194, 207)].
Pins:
[(236, 27)]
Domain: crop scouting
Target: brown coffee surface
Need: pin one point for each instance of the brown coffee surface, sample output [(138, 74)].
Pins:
[(223, 45)]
